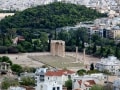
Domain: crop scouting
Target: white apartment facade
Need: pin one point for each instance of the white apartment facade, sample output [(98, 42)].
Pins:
[(40, 74), (16, 88), (52, 79), (59, 76), (116, 84), (48, 86), (111, 64)]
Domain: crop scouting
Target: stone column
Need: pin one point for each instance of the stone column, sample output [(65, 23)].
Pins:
[(1, 66), (76, 54), (84, 56), (53, 49), (59, 49), (63, 49), (5, 67)]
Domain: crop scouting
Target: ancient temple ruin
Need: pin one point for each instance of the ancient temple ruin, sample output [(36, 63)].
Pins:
[(57, 48)]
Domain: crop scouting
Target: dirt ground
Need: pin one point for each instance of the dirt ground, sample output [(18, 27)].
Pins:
[(24, 60)]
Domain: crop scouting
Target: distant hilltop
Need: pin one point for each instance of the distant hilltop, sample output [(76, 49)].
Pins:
[(23, 4)]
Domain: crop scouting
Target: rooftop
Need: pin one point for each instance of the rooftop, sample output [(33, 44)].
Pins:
[(59, 72)]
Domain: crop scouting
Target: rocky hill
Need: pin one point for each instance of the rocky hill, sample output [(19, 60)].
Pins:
[(50, 16)]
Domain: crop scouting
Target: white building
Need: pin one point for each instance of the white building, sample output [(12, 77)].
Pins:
[(111, 64), (83, 83), (16, 88), (116, 84), (40, 74), (59, 76), (48, 86), (87, 81)]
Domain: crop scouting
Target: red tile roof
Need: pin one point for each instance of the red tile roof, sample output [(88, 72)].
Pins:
[(59, 72)]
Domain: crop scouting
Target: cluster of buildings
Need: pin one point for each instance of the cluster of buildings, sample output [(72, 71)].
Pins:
[(53, 79), (111, 64), (104, 27), (101, 5)]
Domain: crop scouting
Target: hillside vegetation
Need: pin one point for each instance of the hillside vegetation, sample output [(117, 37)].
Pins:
[(50, 16), (38, 25)]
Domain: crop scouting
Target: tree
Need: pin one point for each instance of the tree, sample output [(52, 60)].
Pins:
[(81, 72), (91, 66), (109, 52), (95, 38), (16, 68), (117, 52), (102, 51), (6, 59), (12, 49), (68, 84), (82, 35), (97, 87), (28, 81), (94, 48), (7, 82), (20, 48)]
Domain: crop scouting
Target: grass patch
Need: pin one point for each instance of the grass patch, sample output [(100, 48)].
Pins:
[(58, 62)]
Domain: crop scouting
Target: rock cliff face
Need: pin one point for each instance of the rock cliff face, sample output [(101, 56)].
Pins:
[(23, 4)]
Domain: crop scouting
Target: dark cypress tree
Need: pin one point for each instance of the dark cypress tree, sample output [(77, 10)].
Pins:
[(92, 66), (117, 52), (94, 48), (101, 51)]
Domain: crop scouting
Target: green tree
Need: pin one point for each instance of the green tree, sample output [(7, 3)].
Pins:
[(97, 87), (16, 68), (94, 48), (81, 72), (28, 81), (68, 84), (82, 35), (109, 52), (7, 82), (117, 52), (20, 48), (6, 59), (95, 37), (91, 66)]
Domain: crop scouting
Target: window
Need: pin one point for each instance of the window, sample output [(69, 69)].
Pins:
[(42, 71), (42, 76), (69, 76), (53, 88), (58, 88), (48, 78), (41, 87)]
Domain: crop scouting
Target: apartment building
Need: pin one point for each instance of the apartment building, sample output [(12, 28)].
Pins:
[(111, 64)]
